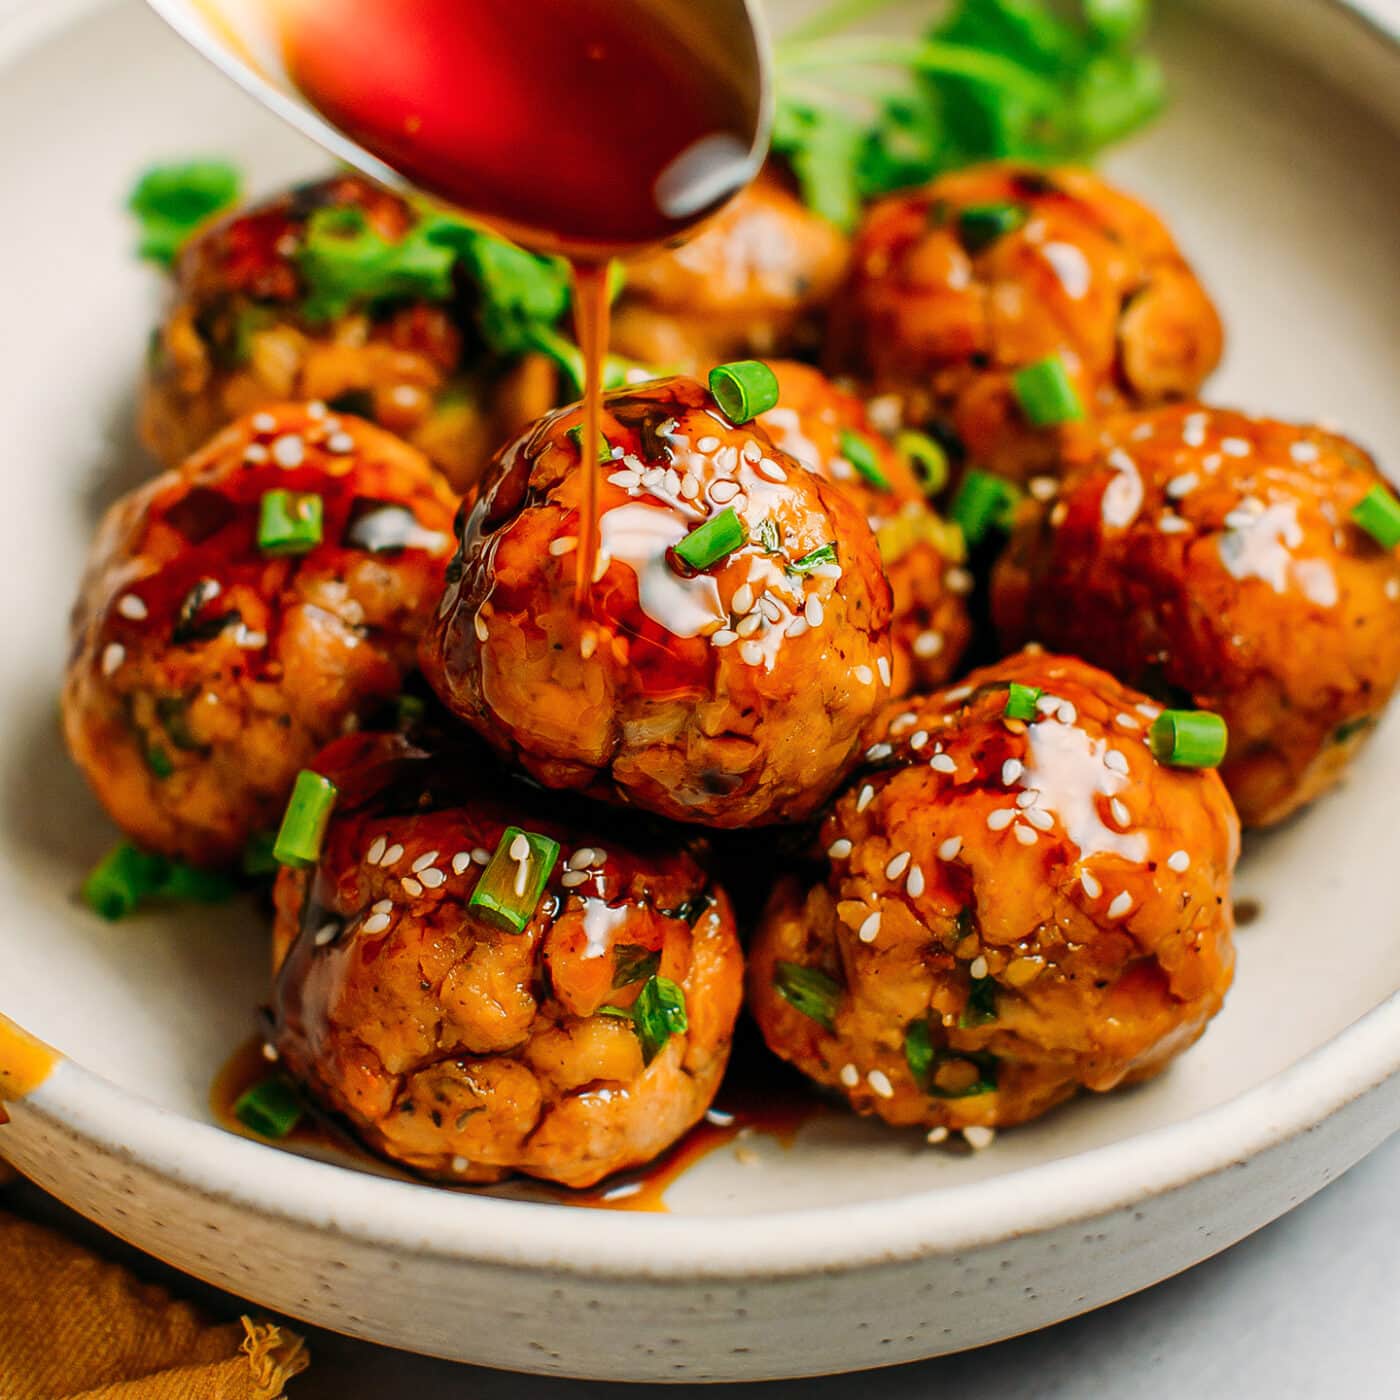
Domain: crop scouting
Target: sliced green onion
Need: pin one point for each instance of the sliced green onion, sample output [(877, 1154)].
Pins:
[(925, 1060), (707, 544), (861, 455), (289, 522), (1350, 728), (983, 503), (1189, 738), (980, 225), (981, 1003), (122, 879), (658, 1014), (271, 1109), (822, 554), (575, 435), (258, 859), (809, 991), (927, 457), (918, 1049), (304, 822), (768, 535), (509, 890), (189, 882), (632, 963), (744, 389), (1021, 701), (1046, 394), (158, 761), (1378, 513)]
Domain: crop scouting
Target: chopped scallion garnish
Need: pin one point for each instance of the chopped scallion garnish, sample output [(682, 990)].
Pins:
[(928, 459), (271, 1109), (1021, 701), (744, 389), (258, 859), (509, 890), (289, 522), (984, 502), (981, 225), (934, 1067), (858, 451), (1047, 394), (768, 535), (718, 537), (822, 554), (304, 822), (171, 201), (1189, 738), (127, 876), (1378, 513), (981, 1003), (809, 990), (575, 435)]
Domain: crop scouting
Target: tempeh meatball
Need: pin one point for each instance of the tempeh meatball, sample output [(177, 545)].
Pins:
[(724, 678), (1199, 552), (483, 980), (1003, 911), (241, 611)]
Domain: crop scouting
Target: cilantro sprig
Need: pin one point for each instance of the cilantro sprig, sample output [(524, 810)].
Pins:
[(862, 115)]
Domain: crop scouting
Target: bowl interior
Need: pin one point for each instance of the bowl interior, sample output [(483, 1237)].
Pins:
[(1281, 189)]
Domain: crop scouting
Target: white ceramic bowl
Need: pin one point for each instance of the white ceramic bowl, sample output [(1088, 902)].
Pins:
[(857, 1246)]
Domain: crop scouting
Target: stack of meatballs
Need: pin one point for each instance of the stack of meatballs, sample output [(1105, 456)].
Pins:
[(502, 938)]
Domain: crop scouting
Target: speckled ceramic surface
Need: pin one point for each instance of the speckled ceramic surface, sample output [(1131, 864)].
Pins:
[(1279, 168)]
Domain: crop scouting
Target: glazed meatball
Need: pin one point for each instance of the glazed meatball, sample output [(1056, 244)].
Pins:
[(1003, 911), (240, 612), (580, 1033), (242, 332), (1200, 553), (957, 286), (819, 424), (729, 693), (754, 281)]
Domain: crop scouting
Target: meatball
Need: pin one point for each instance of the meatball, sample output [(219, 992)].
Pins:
[(754, 281), (1198, 552), (818, 423), (242, 332), (1004, 911), (208, 667), (957, 286), (732, 693), (582, 1033)]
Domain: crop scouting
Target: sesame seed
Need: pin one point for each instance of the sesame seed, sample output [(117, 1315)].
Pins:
[(798, 627), (626, 480), (340, 443), (850, 1076), (1392, 588), (270, 1052), (672, 481), (814, 612), (572, 878), (376, 923), (481, 855), (1116, 761), (392, 856), (581, 858), (1048, 704), (864, 675), (587, 644), (565, 544), (880, 1082), (723, 492), (376, 850), (1024, 835), (423, 861), (113, 654), (928, 644), (1178, 861), (479, 626), (289, 451), (751, 451), (1182, 485), (883, 667), (915, 883), (958, 581), (950, 848), (827, 571), (918, 739), (839, 848), (1126, 722), (1039, 818), (936, 1135), (726, 636), (411, 887), (325, 934), (1148, 709), (878, 751), (600, 856), (1028, 798), (898, 866), (263, 422), (382, 906), (690, 486), (1090, 884), (1120, 904), (742, 600), (870, 927), (1303, 451), (978, 967), (942, 763), (751, 653), (1066, 714), (433, 878), (770, 609), (749, 625), (1234, 447), (707, 444), (315, 409), (248, 639), (769, 468), (460, 1165), (1011, 770), (1043, 488), (129, 605), (1119, 811), (255, 453), (1170, 524), (1001, 818), (977, 1136), (460, 862), (864, 799)]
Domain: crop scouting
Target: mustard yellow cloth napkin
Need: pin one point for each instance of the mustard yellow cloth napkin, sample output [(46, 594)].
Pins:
[(74, 1327)]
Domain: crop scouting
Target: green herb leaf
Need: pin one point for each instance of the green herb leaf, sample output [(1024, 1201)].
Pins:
[(171, 201), (658, 1014), (822, 554), (632, 963), (858, 451), (809, 990)]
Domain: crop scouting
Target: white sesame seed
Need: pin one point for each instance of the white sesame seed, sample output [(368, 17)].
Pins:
[(325, 934), (340, 443), (433, 878), (1303, 451), (1028, 798), (839, 848), (870, 927), (255, 453), (263, 422), (1011, 770), (942, 763), (770, 609), (130, 606), (382, 906), (880, 1082), (751, 653), (270, 1053), (1179, 861), (423, 861), (1066, 714), (898, 865), (1024, 835), (814, 612), (1043, 488), (864, 798), (1126, 722), (581, 858), (827, 570), (113, 654), (377, 847), (850, 1076), (1090, 884), (937, 1135), (479, 626), (1120, 904), (726, 636), (481, 855), (690, 487), (626, 480), (248, 639), (958, 581), (376, 923), (570, 879), (411, 887), (864, 675), (289, 451), (949, 849), (600, 857), (460, 1165), (749, 625), (587, 644), (565, 544), (1119, 811), (723, 492), (1392, 588), (1001, 818), (707, 444), (1234, 447), (915, 883), (878, 751), (977, 1136), (1039, 818), (798, 627), (977, 967), (1182, 485), (742, 600), (1047, 704), (1116, 761), (928, 644), (460, 862), (883, 667), (769, 468), (392, 856)]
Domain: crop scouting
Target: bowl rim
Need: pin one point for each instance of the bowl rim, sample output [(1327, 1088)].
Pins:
[(401, 1216)]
